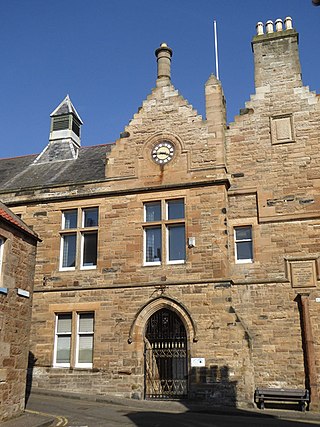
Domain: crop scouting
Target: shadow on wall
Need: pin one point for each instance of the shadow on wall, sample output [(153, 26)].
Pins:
[(31, 362), (212, 402), (212, 385)]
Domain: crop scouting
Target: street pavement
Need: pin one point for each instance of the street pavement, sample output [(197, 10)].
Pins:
[(61, 409)]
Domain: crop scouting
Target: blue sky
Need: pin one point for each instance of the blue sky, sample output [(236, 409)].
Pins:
[(101, 53)]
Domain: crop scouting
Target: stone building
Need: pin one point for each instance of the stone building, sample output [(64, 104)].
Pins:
[(182, 260), (17, 261)]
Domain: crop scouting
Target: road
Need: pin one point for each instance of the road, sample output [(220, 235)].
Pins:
[(82, 413)]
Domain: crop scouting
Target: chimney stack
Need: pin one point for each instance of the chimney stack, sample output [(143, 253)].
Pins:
[(163, 54), (276, 55)]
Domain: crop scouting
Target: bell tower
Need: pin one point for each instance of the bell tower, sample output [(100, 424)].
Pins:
[(64, 138), (65, 122)]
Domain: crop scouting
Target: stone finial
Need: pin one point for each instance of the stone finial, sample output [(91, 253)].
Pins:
[(259, 28), (164, 54), (269, 27), (288, 23), (279, 25)]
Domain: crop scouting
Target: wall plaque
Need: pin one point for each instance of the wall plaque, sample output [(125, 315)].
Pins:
[(303, 274), (281, 129)]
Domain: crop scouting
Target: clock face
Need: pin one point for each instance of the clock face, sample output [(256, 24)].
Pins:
[(163, 152)]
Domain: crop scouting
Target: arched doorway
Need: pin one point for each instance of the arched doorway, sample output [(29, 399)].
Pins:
[(165, 355)]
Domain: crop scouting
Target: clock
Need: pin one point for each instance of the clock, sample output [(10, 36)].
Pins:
[(163, 152)]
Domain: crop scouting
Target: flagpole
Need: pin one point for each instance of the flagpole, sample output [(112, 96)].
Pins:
[(216, 48)]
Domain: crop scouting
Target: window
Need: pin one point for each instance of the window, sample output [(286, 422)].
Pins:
[(84, 351), (164, 232), (243, 244), (63, 339), (79, 239), (74, 349)]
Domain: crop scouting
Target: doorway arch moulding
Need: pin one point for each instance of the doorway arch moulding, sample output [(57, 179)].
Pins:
[(138, 325)]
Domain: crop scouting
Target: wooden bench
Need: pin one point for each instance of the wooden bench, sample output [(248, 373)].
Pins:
[(300, 396)]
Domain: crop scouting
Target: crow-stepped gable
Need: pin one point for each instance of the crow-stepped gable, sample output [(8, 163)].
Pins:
[(182, 261)]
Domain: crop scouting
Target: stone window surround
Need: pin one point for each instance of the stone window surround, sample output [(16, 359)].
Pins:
[(164, 224), (5, 248), (74, 339), (79, 231)]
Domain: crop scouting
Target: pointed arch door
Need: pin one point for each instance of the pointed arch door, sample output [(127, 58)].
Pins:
[(166, 362)]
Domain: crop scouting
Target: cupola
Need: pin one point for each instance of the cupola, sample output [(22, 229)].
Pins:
[(64, 138), (65, 122)]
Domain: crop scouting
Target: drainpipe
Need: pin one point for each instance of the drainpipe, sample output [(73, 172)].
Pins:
[(309, 353)]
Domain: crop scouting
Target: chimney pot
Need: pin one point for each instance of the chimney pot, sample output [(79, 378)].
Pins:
[(276, 57), (288, 23), (269, 27), (259, 28), (279, 25)]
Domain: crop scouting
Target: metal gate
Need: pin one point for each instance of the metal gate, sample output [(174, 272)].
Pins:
[(165, 357)]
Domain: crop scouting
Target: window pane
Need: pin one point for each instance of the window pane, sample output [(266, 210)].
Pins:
[(85, 349), (90, 217), (86, 322), (153, 211), (63, 349), (70, 219), (64, 323), (243, 233), (244, 250), (153, 244), (69, 250), (89, 249), (177, 245), (175, 209)]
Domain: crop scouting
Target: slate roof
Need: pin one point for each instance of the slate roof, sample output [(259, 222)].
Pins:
[(10, 217), (22, 173), (56, 150)]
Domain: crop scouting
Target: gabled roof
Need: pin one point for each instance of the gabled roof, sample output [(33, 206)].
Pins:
[(66, 107), (9, 217), (21, 173)]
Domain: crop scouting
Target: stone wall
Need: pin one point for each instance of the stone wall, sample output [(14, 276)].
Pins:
[(15, 318), (274, 166), (249, 336)]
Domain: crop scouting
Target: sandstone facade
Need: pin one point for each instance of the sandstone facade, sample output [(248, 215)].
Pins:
[(246, 291), (17, 262)]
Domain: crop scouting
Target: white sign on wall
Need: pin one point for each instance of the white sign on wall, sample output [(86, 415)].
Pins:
[(197, 362)]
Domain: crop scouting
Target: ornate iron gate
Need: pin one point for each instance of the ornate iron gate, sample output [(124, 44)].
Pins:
[(165, 357)]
